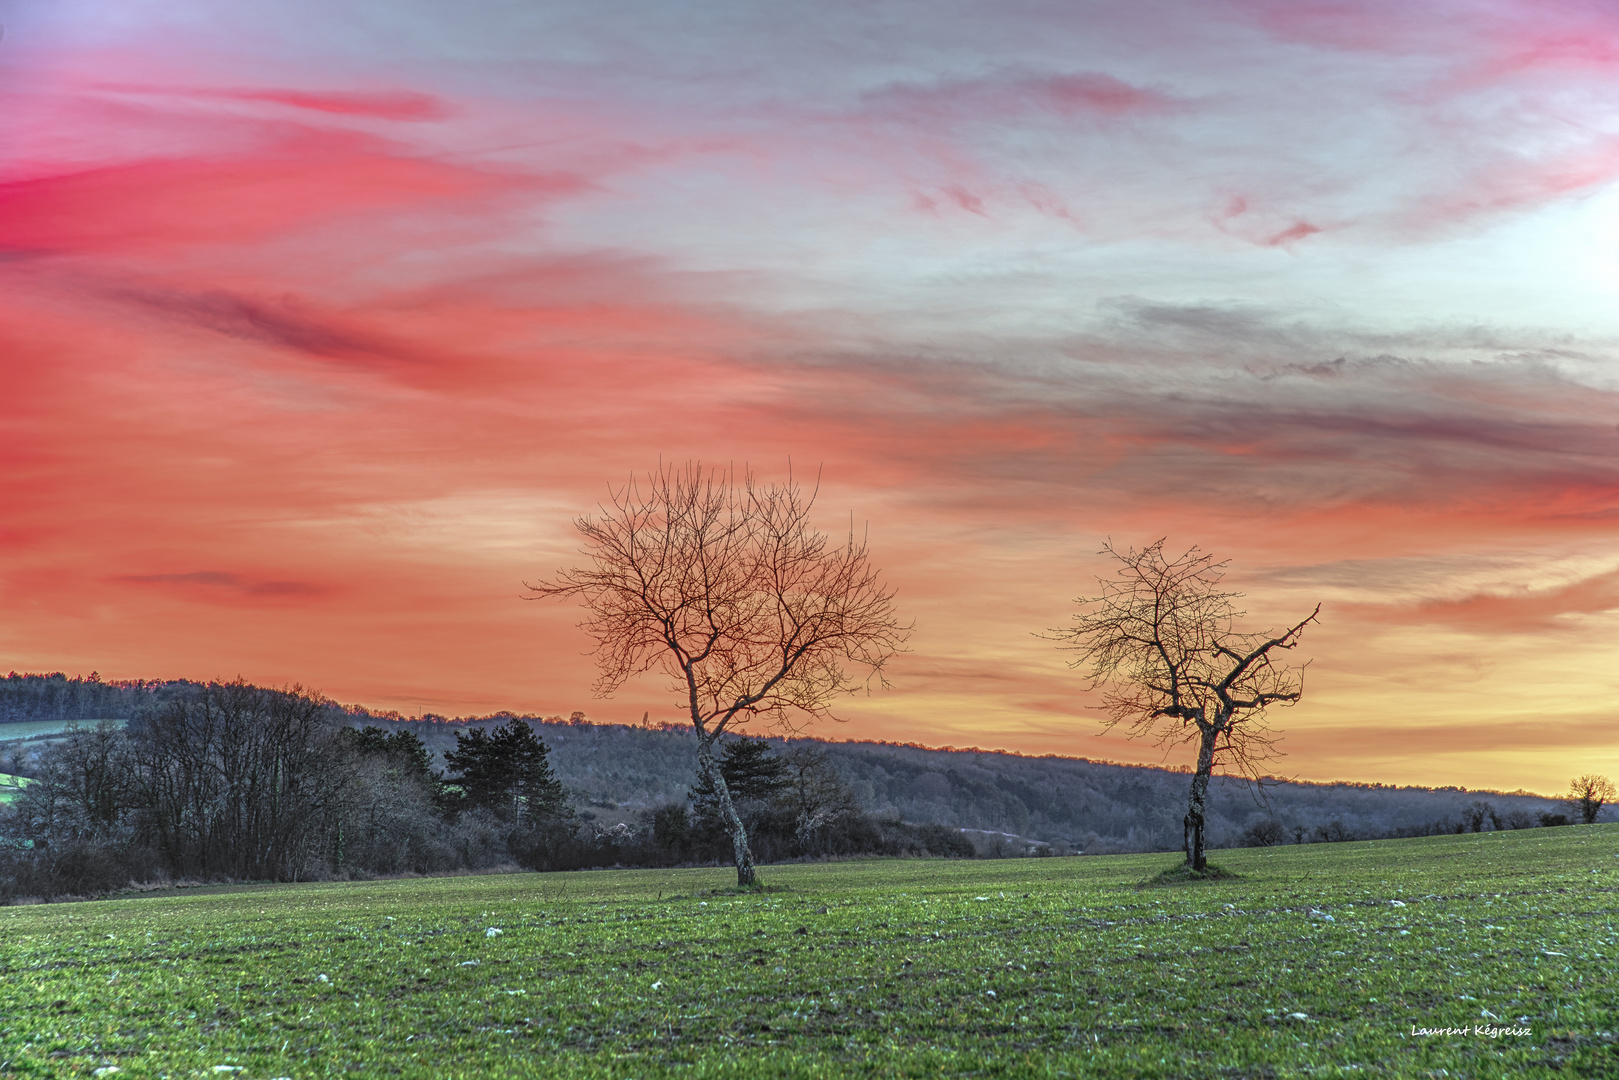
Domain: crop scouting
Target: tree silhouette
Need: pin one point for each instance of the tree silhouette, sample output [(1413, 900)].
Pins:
[(1588, 794), (1159, 641), (508, 773), (720, 583), (752, 770)]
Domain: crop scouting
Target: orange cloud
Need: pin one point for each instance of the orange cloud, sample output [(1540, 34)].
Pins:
[(1522, 610), (287, 398)]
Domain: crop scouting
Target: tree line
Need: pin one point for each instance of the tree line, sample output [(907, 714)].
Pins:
[(613, 771), (235, 782), (55, 696), (229, 781), (618, 779)]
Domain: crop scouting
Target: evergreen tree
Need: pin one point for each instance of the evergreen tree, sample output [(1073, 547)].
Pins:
[(752, 770), (507, 772)]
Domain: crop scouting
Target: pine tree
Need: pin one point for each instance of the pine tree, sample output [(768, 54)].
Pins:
[(507, 772), (753, 773)]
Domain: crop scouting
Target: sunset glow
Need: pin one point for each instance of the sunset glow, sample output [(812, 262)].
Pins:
[(319, 324)]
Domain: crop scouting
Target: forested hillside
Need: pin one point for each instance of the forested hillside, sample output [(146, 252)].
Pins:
[(1088, 805), (613, 771), (57, 697)]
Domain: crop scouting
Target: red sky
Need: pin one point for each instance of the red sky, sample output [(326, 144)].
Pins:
[(318, 327)]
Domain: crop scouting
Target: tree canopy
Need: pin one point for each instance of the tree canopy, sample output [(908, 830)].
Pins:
[(507, 771)]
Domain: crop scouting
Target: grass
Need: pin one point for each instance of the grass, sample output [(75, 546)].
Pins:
[(1318, 961), (1185, 875), (13, 731), (11, 786)]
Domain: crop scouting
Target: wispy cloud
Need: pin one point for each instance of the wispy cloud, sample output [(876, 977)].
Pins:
[(215, 586), (1015, 95), (407, 105), (301, 306)]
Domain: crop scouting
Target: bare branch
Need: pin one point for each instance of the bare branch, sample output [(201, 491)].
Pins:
[(1159, 640), (719, 582)]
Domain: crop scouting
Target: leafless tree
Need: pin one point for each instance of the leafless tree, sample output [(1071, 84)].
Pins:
[(1160, 642), (1588, 794), (1476, 813), (1267, 832), (240, 781), (818, 795), (720, 583)]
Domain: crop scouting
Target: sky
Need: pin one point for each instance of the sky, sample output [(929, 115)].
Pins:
[(320, 323)]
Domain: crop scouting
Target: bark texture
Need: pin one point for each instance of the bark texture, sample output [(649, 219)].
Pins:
[(709, 766)]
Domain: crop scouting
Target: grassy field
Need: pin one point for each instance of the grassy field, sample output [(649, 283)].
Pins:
[(11, 786), (40, 729), (1307, 966)]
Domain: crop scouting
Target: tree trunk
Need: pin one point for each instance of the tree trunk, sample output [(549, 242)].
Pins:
[(1195, 856), (745, 876)]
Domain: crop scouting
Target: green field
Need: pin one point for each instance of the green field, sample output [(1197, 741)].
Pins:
[(1029, 967), (11, 786), (37, 729)]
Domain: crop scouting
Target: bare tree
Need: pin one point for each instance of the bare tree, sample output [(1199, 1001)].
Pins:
[(1587, 794), (719, 583), (1476, 813), (1159, 641), (817, 794), (1266, 832), (240, 781)]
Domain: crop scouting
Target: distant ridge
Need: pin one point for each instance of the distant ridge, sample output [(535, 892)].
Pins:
[(616, 770)]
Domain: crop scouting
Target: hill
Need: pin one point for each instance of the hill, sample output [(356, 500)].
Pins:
[(615, 770)]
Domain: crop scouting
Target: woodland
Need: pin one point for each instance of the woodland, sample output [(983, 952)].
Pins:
[(163, 781)]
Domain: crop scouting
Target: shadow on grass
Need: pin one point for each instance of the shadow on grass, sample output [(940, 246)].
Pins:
[(745, 890), (1185, 875)]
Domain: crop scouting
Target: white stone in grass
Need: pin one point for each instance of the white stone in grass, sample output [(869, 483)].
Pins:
[(980, 898), (658, 985), (1396, 903), (107, 1070), (469, 963), (493, 931), (1298, 1016), (227, 1068), (323, 978)]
